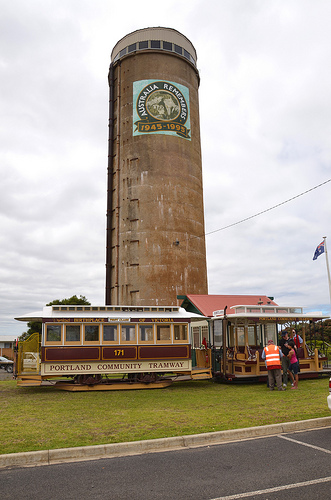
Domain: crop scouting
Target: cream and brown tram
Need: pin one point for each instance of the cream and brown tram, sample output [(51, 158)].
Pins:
[(107, 347), (240, 333)]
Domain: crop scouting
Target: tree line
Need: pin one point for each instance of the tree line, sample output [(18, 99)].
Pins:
[(35, 326)]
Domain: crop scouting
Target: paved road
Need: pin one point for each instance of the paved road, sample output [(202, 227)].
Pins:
[(296, 464)]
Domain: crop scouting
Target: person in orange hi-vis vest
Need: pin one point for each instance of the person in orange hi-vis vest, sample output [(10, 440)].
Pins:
[(272, 355)]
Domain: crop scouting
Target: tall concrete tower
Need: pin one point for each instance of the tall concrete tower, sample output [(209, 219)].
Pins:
[(155, 219)]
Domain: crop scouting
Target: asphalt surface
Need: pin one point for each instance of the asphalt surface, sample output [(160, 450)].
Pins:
[(271, 467)]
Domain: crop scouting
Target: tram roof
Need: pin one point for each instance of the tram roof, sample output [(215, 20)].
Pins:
[(267, 313), (207, 304), (114, 312), (245, 306)]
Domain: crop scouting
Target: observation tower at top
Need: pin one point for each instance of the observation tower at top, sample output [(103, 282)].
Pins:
[(155, 218)]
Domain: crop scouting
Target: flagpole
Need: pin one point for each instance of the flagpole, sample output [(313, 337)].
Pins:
[(327, 265)]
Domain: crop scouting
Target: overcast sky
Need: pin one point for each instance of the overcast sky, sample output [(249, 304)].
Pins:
[(265, 112)]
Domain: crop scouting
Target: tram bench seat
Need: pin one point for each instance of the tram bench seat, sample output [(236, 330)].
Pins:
[(252, 360), (300, 352), (254, 351), (252, 354), (260, 351), (240, 355)]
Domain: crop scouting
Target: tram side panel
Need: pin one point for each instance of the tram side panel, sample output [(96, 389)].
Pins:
[(71, 361), (72, 348)]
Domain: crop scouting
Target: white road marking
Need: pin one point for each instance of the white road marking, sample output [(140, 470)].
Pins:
[(277, 488), (305, 444)]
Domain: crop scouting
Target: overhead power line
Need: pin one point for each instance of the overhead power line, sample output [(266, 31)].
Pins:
[(267, 210)]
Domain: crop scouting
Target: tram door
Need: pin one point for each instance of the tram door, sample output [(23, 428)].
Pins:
[(217, 353), (201, 354), (28, 356)]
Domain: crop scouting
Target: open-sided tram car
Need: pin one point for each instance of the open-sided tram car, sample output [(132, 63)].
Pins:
[(239, 334), (106, 347)]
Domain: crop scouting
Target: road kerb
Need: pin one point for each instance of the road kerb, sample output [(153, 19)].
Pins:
[(29, 458), (83, 453)]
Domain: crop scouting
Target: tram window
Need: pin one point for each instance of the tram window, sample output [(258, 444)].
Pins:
[(204, 332), (218, 333), (251, 335), (163, 333), (110, 333), (270, 332), (53, 333), (72, 333), (230, 336), (91, 333), (196, 336), (180, 332), (241, 335), (128, 333), (259, 335), (146, 333)]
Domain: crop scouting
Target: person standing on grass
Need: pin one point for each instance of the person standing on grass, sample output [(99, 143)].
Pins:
[(283, 344), (294, 363), (272, 354)]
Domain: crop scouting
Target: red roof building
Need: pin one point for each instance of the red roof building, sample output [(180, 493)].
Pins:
[(207, 304)]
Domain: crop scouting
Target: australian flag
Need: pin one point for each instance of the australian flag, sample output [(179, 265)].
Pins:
[(319, 250)]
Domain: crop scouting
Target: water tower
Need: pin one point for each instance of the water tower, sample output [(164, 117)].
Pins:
[(155, 218)]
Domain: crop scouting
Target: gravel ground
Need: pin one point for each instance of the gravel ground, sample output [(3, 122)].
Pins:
[(5, 376)]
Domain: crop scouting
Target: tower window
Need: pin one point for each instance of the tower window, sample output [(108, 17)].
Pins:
[(167, 46), (186, 54)]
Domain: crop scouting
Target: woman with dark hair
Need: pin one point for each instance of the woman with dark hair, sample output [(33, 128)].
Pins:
[(294, 363)]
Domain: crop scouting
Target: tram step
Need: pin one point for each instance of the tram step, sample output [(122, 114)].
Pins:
[(201, 374), (29, 381)]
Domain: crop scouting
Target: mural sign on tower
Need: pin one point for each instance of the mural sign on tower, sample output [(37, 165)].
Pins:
[(161, 107)]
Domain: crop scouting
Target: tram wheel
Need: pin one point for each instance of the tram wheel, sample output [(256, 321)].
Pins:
[(89, 379), (147, 378)]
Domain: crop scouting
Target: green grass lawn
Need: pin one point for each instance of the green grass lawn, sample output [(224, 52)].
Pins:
[(39, 418)]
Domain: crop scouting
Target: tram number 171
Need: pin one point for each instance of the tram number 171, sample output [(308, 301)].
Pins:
[(119, 352)]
